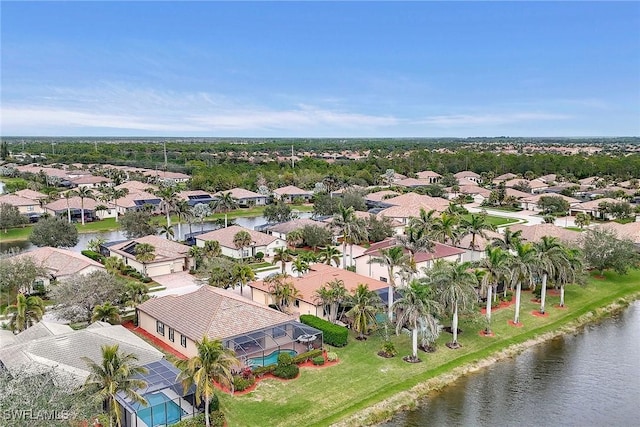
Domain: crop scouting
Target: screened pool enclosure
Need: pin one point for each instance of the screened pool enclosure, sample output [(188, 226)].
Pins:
[(261, 347)]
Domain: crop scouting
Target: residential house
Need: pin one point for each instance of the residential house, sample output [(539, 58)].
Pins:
[(74, 206), (413, 183), (90, 181), (253, 330), (47, 345), (379, 198), (260, 242), (166, 177), (592, 208), (27, 207), (61, 264), (423, 260), (291, 193), (282, 229), (308, 284), (476, 251), (504, 177), (530, 203), (471, 176), (245, 198), (534, 233), (170, 257), (430, 176), (408, 205), (194, 197), (630, 231)]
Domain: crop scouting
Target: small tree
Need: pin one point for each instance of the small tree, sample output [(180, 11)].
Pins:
[(553, 205), (316, 235), (603, 250), (278, 212), (582, 220), (55, 233), (19, 274), (106, 313), (137, 224), (10, 217), (25, 312)]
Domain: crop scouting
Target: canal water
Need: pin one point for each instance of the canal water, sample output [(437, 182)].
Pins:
[(110, 236), (591, 378)]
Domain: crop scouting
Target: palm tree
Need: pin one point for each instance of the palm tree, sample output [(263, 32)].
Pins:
[(116, 373), (68, 195), (167, 231), (345, 221), (283, 292), (415, 240), (365, 304), (214, 362), (300, 266), (117, 193), (136, 293), (294, 238), (582, 219), (225, 203), (571, 272), (283, 256), (357, 234), (509, 240), (476, 225), (241, 240), (417, 309), (551, 255), (182, 211), (212, 249), (25, 312), (496, 267), (445, 228), (329, 254), (169, 200), (83, 193), (391, 258), (145, 253), (455, 289), (106, 312), (523, 267), (244, 274), (425, 221), (331, 295)]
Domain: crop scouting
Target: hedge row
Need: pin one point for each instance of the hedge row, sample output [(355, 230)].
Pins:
[(93, 255), (332, 334), (303, 357)]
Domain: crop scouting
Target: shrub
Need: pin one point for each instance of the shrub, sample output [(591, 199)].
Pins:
[(332, 356), (537, 292), (216, 417), (303, 357), (146, 279), (261, 370), (318, 360), (389, 348), (286, 371), (333, 334), (214, 405), (259, 256), (93, 255), (285, 359), (241, 383)]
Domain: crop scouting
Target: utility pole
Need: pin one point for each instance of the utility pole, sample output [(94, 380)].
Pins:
[(95, 146), (292, 161), (53, 148), (165, 155)]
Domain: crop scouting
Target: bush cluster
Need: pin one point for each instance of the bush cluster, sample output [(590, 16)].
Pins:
[(286, 369), (332, 356), (334, 335), (318, 360), (241, 383), (93, 255), (261, 370), (303, 357)]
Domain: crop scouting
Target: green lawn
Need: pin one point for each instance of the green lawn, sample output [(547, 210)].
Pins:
[(361, 379), (496, 221)]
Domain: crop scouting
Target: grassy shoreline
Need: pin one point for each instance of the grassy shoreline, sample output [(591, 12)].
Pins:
[(364, 389)]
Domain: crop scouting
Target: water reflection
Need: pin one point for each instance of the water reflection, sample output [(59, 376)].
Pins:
[(588, 379)]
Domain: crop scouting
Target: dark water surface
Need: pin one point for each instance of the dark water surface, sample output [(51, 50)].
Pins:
[(591, 378)]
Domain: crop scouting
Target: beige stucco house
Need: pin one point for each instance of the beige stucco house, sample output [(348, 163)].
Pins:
[(260, 242), (290, 193), (170, 257)]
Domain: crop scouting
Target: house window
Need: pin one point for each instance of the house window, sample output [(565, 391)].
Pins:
[(30, 208), (160, 327), (171, 334), (297, 303), (383, 279), (183, 341)]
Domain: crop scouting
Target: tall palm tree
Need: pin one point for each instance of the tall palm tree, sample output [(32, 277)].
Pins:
[(329, 254), (417, 309), (169, 200), (25, 312), (300, 266), (572, 272), (145, 253), (445, 228), (244, 274), (476, 225), (241, 240), (182, 211), (225, 203), (167, 231), (424, 221), (551, 255), (358, 234), (294, 238), (365, 304), (212, 249), (83, 193), (214, 362), (345, 221), (391, 258), (509, 240), (283, 256), (496, 267), (523, 267), (455, 289), (135, 293), (106, 312), (116, 194), (331, 295), (415, 240), (68, 195), (283, 292), (117, 372)]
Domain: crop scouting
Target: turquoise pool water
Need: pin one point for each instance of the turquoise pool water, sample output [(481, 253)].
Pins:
[(160, 410), (271, 359)]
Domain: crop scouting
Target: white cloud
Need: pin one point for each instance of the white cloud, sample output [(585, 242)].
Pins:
[(457, 120)]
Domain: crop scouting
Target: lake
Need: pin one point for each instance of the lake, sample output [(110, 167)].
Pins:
[(591, 378)]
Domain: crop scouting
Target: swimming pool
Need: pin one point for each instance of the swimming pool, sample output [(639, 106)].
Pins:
[(161, 410), (271, 359)]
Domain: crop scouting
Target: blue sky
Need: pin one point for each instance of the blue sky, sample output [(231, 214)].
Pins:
[(311, 69)]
